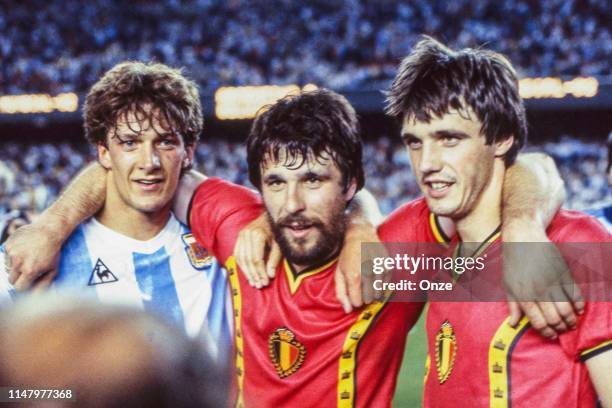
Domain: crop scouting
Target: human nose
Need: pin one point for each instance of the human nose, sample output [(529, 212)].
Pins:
[(294, 201), (149, 157), (430, 158)]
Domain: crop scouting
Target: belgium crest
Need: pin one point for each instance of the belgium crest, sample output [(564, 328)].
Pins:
[(287, 354), (198, 255), (446, 351)]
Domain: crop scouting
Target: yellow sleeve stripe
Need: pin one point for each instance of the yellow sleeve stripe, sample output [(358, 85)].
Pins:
[(593, 351), (500, 353), (347, 368), (232, 270)]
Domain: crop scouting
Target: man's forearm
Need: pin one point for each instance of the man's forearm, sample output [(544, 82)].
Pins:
[(533, 190), (83, 197)]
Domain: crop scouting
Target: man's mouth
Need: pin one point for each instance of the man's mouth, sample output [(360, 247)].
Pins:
[(438, 188), (298, 229), (149, 184)]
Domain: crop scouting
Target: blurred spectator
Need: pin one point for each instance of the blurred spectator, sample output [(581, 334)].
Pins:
[(39, 174), (64, 45), (106, 356)]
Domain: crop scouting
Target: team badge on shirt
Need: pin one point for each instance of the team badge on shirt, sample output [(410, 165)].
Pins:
[(198, 255), (446, 351), (287, 354), (101, 274)]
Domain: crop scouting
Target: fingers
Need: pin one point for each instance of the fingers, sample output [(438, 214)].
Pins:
[(44, 282), (256, 253), (566, 311), (553, 319), (274, 259), (341, 291), (241, 258), (25, 280), (537, 320), (515, 313), (575, 296), (13, 267), (353, 285)]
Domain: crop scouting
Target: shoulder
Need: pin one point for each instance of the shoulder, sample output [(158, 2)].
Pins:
[(226, 191), (576, 226), (408, 223)]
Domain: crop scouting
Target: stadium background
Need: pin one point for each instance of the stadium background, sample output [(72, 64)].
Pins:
[(51, 52)]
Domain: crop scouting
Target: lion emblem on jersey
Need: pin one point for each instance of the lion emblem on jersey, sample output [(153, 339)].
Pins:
[(198, 255), (446, 351), (287, 354)]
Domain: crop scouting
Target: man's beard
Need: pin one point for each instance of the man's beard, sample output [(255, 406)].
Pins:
[(329, 240)]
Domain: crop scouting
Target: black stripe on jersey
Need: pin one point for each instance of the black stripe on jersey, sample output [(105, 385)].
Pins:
[(584, 357), (509, 359), (441, 231)]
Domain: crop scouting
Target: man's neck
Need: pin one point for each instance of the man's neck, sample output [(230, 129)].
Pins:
[(485, 217), (119, 217)]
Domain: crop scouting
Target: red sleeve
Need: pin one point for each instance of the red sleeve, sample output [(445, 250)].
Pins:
[(409, 223), (590, 261), (218, 211)]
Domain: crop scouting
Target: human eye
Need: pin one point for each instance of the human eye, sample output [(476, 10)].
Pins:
[(126, 142), (313, 180), (275, 184), (449, 140), (168, 142), (412, 143)]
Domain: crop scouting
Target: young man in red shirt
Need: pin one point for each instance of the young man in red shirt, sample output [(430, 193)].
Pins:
[(463, 123)]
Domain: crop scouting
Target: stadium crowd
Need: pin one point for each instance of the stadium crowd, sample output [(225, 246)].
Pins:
[(31, 176), (59, 46)]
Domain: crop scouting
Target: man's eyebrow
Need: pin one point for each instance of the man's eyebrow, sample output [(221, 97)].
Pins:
[(406, 136), (450, 133), (272, 177)]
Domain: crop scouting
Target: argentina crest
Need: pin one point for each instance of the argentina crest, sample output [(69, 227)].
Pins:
[(287, 354), (198, 255), (446, 351)]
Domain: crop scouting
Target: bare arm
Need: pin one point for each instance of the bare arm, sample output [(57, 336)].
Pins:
[(533, 193), (600, 367), (364, 216), (33, 250)]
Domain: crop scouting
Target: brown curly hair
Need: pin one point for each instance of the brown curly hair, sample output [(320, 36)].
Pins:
[(129, 86)]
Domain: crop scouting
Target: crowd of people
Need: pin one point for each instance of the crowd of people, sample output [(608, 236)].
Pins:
[(60, 46), (31, 176)]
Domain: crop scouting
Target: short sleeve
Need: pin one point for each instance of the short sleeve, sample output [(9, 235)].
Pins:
[(218, 211)]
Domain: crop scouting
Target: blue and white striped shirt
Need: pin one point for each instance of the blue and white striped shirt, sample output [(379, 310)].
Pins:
[(169, 275)]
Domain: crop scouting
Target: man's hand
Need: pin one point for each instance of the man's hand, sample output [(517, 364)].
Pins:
[(256, 241), (539, 281), (351, 290), (32, 255)]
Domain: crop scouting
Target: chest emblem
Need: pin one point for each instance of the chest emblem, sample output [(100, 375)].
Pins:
[(446, 351), (287, 354), (101, 274), (198, 255)]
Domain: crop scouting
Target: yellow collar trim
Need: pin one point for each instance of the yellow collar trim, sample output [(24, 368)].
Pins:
[(437, 231), (295, 281)]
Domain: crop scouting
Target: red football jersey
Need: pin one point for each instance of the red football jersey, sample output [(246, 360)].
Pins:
[(295, 346), (477, 358)]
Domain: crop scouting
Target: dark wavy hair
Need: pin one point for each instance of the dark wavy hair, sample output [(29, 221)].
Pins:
[(308, 125), (129, 86), (433, 79)]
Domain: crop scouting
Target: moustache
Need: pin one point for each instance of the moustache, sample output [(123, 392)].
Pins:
[(298, 221)]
